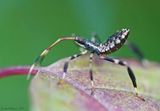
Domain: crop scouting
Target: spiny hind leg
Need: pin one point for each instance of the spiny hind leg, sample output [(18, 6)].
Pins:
[(130, 72), (136, 50), (40, 58)]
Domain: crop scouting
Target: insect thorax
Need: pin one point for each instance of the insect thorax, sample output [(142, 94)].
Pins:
[(88, 45)]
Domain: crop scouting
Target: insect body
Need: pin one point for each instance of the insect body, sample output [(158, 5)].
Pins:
[(113, 43)]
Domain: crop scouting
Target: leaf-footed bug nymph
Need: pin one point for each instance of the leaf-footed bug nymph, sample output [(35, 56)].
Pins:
[(94, 46)]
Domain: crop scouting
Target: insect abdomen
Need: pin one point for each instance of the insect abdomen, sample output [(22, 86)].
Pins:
[(116, 41)]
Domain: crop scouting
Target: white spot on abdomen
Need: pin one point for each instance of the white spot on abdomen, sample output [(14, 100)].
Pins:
[(117, 41), (111, 45)]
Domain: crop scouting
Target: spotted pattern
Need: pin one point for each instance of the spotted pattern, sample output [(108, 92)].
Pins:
[(113, 43), (116, 41)]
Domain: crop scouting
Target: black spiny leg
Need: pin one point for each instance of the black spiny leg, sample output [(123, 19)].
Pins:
[(67, 63), (91, 73), (130, 72), (65, 67), (135, 49), (90, 69)]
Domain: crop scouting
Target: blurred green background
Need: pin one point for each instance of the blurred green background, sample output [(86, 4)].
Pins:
[(29, 26)]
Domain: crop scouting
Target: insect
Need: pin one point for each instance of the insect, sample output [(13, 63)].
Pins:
[(102, 49)]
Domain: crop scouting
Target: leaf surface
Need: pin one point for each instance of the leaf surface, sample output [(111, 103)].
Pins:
[(113, 88)]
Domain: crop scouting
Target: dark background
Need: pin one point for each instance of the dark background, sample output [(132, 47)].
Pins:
[(29, 26)]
